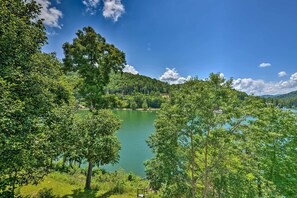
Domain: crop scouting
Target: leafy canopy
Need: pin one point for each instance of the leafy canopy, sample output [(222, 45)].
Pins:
[(94, 59)]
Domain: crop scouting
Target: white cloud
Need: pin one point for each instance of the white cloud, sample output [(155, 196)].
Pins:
[(265, 65), (113, 9), (51, 15), (173, 77), (51, 33), (260, 87), (282, 74), (294, 77), (130, 69), (222, 75), (91, 5)]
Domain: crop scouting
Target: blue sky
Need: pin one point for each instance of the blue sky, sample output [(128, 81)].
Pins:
[(253, 41)]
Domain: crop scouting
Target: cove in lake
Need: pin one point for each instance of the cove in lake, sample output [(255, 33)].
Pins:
[(135, 130)]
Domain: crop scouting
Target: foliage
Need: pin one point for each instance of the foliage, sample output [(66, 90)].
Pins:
[(96, 140), (288, 100), (212, 141), (29, 109), (21, 36), (97, 135), (128, 84), (134, 91), (32, 92), (94, 59)]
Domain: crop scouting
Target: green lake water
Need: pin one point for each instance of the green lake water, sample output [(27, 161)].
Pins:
[(135, 130)]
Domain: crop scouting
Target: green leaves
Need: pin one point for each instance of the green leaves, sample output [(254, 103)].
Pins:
[(94, 59), (31, 89), (212, 141), (98, 139)]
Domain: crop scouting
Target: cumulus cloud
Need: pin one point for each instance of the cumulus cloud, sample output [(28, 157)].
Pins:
[(294, 77), (51, 15), (260, 87), (222, 75), (173, 77), (91, 5), (130, 69), (265, 65), (282, 74), (113, 9)]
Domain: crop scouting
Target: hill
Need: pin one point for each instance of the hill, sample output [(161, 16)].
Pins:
[(136, 91), (127, 84), (288, 100)]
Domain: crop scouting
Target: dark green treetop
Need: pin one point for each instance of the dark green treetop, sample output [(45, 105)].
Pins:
[(94, 59)]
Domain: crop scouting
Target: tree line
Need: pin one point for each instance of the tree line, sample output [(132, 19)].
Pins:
[(288, 100)]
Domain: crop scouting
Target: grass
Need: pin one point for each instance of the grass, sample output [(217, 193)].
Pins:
[(64, 185)]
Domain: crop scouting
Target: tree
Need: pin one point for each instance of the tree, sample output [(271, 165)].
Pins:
[(144, 105), (273, 144), (133, 104), (21, 36), (94, 59), (31, 90), (212, 141), (28, 107), (99, 143)]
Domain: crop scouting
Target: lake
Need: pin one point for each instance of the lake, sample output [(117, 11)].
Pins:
[(135, 130)]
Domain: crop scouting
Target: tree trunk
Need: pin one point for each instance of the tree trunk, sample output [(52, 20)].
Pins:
[(205, 191), (193, 166), (13, 182), (64, 161), (89, 176), (259, 189)]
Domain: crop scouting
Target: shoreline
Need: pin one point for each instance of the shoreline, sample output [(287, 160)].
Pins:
[(137, 109), (127, 109)]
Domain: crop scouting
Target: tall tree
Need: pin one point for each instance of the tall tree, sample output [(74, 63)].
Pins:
[(94, 59), (31, 89), (28, 107)]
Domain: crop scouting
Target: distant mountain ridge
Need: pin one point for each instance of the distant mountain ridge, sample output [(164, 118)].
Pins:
[(270, 96), (287, 95), (292, 94), (288, 100)]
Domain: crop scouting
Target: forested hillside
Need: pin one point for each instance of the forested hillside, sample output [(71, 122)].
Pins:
[(127, 90), (127, 84), (288, 100)]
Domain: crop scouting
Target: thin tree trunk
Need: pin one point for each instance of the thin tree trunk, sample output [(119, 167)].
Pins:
[(64, 161), (193, 167), (259, 189), (206, 168), (13, 183), (89, 176)]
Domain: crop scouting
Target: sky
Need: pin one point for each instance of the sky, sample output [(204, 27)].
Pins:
[(254, 41)]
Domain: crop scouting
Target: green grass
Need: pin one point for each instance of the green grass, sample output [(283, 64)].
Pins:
[(63, 185)]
